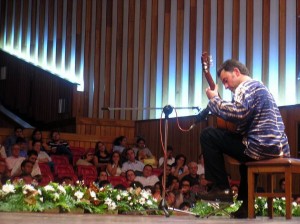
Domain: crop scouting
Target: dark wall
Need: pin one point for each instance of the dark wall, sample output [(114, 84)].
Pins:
[(32, 93)]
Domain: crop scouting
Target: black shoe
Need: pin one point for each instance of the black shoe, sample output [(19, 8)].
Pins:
[(218, 195), (241, 213)]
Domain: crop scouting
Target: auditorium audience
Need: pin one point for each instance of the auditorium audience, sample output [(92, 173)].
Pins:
[(179, 169), (132, 163), (37, 137), (102, 157), (14, 159), (141, 146), (114, 167), (130, 176), (2, 152), (86, 160), (58, 146), (11, 140), (200, 164), (147, 179), (170, 158), (185, 194)]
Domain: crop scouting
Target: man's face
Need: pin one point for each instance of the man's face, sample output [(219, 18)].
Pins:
[(185, 186), (230, 79), (37, 147), (32, 158), (130, 155), (193, 168), (15, 150), (27, 168), (169, 154), (19, 132), (55, 136), (147, 171), (130, 176)]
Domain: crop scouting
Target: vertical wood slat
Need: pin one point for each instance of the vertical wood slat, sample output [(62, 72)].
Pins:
[(265, 41), (179, 50), (220, 37), (68, 34), (192, 53), (97, 59), (249, 32), (282, 52), (206, 38), (41, 48), (17, 26), (59, 32), (166, 52), (9, 22), (235, 28), (141, 58), (298, 54), (50, 32), (130, 59), (153, 61), (108, 45), (118, 80), (25, 23)]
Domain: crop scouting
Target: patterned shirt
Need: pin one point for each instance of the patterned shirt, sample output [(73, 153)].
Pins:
[(257, 118)]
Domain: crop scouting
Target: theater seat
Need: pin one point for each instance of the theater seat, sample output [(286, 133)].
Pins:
[(59, 159), (115, 180)]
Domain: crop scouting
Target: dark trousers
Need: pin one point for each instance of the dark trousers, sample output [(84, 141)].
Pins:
[(216, 142)]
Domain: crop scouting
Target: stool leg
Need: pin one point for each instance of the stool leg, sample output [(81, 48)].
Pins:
[(270, 189), (250, 193), (270, 207), (288, 193)]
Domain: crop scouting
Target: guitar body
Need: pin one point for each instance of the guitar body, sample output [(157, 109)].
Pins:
[(221, 123)]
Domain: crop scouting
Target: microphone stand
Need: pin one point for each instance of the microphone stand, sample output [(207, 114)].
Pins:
[(167, 110)]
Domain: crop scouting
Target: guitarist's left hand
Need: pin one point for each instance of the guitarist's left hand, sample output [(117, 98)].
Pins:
[(210, 93)]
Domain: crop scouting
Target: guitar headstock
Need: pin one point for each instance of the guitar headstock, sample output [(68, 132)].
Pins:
[(206, 61)]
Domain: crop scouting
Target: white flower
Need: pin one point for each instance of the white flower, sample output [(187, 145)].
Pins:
[(294, 204), (49, 188), (279, 207), (266, 205), (61, 189), (28, 188), (39, 191), (283, 198), (8, 188), (93, 194), (41, 199), (131, 203), (145, 194), (118, 197), (78, 194), (124, 193), (112, 206), (256, 206), (142, 201), (149, 202), (56, 196), (129, 198)]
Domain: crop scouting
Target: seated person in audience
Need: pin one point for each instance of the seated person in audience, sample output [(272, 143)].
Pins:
[(11, 140), (114, 167), (103, 183), (185, 194), (200, 164), (170, 198), (185, 206), (58, 146), (14, 159), (36, 136), (157, 191), (23, 146), (136, 184), (3, 172), (130, 176), (86, 160), (179, 169), (67, 180), (193, 177), (169, 176), (140, 146), (147, 179), (43, 157), (36, 172), (2, 152), (102, 176), (174, 186), (141, 156), (25, 175), (120, 144), (102, 157), (170, 158), (132, 163)]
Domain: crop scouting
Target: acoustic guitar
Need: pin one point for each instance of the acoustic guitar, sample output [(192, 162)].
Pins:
[(206, 62)]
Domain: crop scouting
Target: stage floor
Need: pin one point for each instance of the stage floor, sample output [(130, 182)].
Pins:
[(43, 218)]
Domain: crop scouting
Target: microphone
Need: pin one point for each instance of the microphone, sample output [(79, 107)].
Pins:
[(200, 117)]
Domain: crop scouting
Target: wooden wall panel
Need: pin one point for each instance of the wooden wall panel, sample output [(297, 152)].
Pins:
[(298, 52), (128, 78)]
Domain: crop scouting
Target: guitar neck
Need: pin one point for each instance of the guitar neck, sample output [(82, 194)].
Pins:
[(210, 81)]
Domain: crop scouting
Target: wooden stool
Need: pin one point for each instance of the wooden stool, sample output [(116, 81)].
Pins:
[(286, 166)]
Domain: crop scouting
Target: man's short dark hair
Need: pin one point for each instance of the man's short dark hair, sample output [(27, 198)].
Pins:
[(229, 66)]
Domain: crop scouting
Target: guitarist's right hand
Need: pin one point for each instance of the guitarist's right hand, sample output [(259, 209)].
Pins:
[(210, 93)]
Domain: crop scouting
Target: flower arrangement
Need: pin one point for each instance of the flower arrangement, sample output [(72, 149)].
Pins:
[(261, 207), (18, 196)]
